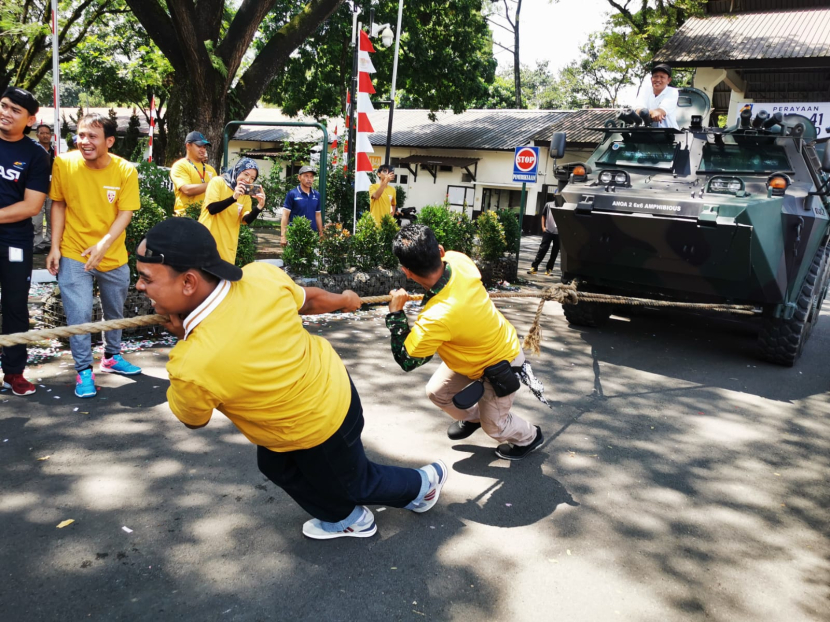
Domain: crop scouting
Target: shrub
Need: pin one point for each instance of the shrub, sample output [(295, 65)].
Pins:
[(400, 197), (437, 218), (491, 236), (512, 231), (453, 230), (194, 210), (340, 198), (153, 182), (366, 249), (335, 248), (143, 220), (302, 245), (246, 246), (388, 229)]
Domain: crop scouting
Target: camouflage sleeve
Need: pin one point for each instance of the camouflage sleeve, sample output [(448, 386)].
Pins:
[(398, 325)]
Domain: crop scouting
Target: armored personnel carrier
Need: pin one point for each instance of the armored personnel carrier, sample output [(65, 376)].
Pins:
[(733, 215)]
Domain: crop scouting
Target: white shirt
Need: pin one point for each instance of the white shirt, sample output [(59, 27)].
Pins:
[(667, 101)]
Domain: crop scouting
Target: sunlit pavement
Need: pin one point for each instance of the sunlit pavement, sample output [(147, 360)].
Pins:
[(681, 479)]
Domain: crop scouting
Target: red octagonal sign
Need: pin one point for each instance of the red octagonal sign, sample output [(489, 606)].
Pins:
[(526, 159)]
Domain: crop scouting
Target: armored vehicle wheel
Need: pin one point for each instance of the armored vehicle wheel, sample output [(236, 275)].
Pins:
[(782, 341), (587, 313)]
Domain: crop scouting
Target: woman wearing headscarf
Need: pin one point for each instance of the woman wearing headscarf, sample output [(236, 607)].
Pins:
[(227, 206)]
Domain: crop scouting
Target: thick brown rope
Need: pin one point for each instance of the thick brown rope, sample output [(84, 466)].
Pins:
[(562, 293)]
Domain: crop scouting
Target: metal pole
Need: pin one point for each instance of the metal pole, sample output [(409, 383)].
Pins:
[(394, 81), (323, 153), (521, 220), (352, 133), (56, 95)]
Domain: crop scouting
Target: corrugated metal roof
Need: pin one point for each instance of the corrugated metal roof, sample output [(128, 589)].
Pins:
[(575, 124), (501, 130), (773, 36)]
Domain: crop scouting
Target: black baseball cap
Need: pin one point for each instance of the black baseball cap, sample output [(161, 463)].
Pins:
[(22, 97), (662, 67), (307, 169), (198, 138), (185, 243)]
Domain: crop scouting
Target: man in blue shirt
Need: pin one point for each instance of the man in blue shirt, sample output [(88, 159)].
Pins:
[(302, 201), (24, 182)]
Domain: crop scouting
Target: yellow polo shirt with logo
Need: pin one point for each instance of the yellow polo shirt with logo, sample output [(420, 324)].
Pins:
[(462, 324), (183, 173), (93, 199), (382, 205), (250, 358), (224, 226)]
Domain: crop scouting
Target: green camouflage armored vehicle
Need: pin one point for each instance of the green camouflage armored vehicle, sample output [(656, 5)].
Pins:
[(733, 215)]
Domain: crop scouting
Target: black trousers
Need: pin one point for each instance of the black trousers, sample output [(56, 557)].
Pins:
[(15, 277), (328, 481), (548, 240)]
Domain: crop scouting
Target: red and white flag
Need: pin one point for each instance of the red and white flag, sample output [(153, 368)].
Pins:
[(363, 147)]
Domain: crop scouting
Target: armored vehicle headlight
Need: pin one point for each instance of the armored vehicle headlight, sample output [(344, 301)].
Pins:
[(579, 173), (726, 185), (621, 178), (605, 177), (777, 184)]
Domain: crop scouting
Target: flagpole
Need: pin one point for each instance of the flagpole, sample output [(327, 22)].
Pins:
[(152, 126), (56, 96), (394, 80)]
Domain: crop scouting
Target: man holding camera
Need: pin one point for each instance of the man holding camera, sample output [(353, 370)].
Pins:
[(382, 196), (460, 322), (228, 204), (302, 201), (191, 175)]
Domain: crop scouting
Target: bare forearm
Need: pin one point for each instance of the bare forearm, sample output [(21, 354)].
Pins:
[(58, 219), (24, 209), (320, 301), (120, 224), (192, 190)]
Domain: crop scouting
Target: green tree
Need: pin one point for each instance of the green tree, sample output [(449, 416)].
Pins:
[(223, 60), (126, 68), (445, 60), (26, 39)]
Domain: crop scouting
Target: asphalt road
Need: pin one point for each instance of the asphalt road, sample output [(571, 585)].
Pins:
[(681, 479)]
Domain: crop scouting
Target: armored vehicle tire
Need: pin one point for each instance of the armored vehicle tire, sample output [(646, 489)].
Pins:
[(587, 313), (782, 341)]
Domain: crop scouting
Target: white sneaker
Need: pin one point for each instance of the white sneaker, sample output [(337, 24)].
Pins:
[(437, 474), (364, 527)]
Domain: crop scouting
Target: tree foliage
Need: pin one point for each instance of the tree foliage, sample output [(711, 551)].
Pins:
[(445, 60), (26, 39)]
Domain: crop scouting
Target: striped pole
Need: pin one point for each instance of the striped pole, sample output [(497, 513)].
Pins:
[(56, 76), (152, 126)]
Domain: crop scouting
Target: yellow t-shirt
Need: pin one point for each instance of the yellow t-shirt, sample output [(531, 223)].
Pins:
[(93, 199), (383, 205), (224, 226), (462, 324), (252, 360), (182, 173)]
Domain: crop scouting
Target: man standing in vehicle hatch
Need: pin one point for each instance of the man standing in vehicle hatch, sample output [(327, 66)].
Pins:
[(659, 103)]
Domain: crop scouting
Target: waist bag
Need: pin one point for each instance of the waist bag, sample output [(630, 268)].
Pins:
[(502, 378)]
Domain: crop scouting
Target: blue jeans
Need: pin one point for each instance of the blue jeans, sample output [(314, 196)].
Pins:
[(332, 480), (76, 295)]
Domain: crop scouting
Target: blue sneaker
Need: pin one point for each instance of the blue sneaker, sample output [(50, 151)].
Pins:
[(117, 365), (85, 384), (437, 474)]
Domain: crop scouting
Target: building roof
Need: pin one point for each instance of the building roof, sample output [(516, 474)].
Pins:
[(440, 160), (575, 126), (799, 38), (500, 130), (47, 115)]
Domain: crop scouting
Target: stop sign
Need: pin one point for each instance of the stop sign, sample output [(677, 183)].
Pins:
[(526, 159), (525, 164)]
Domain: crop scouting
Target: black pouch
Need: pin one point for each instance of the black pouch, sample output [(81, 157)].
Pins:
[(469, 395), (502, 378)]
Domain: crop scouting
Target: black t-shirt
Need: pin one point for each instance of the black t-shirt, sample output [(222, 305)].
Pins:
[(23, 165)]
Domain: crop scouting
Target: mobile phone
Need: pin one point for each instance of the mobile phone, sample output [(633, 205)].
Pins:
[(252, 189)]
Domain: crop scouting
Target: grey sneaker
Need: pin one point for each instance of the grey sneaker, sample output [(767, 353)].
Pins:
[(365, 527)]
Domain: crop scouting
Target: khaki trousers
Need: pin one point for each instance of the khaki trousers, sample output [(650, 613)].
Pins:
[(493, 412)]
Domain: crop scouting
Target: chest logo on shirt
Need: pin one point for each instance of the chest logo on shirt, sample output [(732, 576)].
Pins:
[(110, 195), (11, 175), (19, 164)]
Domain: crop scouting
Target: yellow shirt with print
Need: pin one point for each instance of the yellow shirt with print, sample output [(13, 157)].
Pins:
[(224, 226), (252, 360), (183, 173), (462, 324), (383, 205), (93, 199)]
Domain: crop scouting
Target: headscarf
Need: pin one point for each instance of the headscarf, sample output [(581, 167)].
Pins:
[(232, 178)]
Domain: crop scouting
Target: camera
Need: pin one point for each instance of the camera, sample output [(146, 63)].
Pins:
[(252, 189)]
